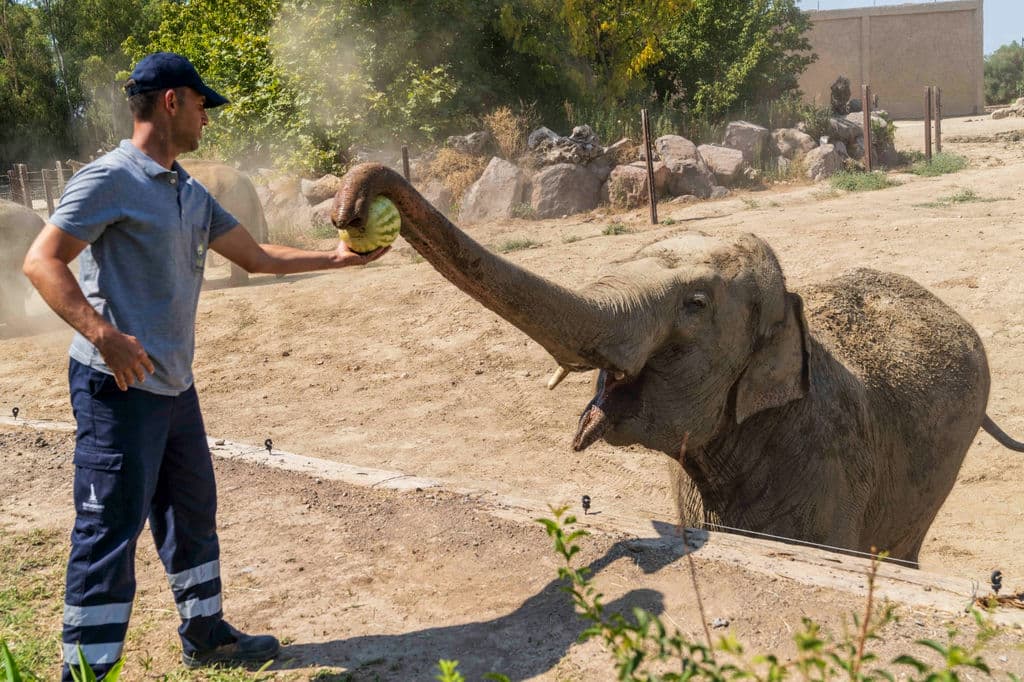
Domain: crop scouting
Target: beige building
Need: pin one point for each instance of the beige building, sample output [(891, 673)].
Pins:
[(898, 50)]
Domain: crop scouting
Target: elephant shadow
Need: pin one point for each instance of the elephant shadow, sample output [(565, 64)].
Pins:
[(523, 644)]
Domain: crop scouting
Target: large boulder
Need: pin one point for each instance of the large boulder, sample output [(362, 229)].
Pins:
[(662, 176), (725, 162), (689, 174), (501, 188), (822, 162), (626, 187), (546, 148), (564, 189), (318, 190), (845, 129), (790, 143), (438, 194), (749, 138), (475, 144)]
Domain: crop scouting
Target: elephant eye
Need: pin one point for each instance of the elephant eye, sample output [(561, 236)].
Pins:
[(697, 302)]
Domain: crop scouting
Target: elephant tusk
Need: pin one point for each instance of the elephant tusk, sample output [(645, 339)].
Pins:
[(557, 377)]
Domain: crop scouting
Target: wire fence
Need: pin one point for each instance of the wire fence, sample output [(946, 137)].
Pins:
[(36, 188)]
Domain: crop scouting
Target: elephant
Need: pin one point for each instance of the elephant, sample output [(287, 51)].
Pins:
[(236, 193), (837, 415), (18, 229)]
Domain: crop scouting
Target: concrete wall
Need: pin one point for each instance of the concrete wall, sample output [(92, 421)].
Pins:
[(898, 50)]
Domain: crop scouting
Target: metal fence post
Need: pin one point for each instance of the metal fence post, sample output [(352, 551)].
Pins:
[(928, 123), (937, 113), (865, 98), (652, 192), (12, 175), (60, 179), (405, 162)]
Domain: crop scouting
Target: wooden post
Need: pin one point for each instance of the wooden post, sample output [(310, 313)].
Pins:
[(12, 175), (75, 166), (865, 98), (60, 179), (26, 189), (652, 191), (928, 123), (48, 190), (937, 112), (405, 163)]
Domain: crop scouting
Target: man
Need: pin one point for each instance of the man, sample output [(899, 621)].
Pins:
[(142, 226)]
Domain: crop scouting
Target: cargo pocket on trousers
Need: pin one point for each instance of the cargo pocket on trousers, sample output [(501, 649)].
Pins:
[(98, 484)]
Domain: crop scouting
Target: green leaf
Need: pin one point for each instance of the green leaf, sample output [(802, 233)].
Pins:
[(10, 667)]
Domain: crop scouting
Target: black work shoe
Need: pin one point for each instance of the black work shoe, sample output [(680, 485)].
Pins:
[(240, 649)]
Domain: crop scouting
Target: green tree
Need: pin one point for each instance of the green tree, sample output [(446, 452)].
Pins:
[(722, 54), (1004, 74), (604, 46), (34, 116)]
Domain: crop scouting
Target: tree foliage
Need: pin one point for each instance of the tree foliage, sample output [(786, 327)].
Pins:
[(313, 82), (34, 115), (721, 54), (1004, 74)]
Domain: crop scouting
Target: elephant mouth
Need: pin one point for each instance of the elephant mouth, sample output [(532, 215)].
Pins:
[(595, 420)]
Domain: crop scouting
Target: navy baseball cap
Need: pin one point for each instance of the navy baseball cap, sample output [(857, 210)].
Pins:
[(162, 70)]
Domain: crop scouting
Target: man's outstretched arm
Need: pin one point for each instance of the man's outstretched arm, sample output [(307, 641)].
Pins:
[(238, 246)]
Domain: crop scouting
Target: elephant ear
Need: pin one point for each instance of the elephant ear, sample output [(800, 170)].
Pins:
[(778, 371)]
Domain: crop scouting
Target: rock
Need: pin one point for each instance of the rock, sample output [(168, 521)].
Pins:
[(719, 192), (316, 191), (622, 152), (475, 144), (626, 187), (791, 143), (584, 135), (845, 130), (718, 623), (841, 150), (439, 196), (688, 172), (749, 138), (662, 175), (601, 167), (501, 187), (684, 199), (320, 215), (539, 135), (725, 162), (822, 162), (564, 189)]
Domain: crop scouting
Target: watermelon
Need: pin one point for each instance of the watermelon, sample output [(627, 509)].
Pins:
[(382, 225)]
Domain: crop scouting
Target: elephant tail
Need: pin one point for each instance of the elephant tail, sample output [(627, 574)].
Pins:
[(1005, 440)]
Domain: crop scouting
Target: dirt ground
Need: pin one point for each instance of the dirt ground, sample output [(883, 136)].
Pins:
[(391, 367)]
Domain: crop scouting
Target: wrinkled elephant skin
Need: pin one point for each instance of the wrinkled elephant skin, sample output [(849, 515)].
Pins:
[(837, 415)]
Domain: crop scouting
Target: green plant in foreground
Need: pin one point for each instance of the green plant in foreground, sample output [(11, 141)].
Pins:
[(941, 163), (855, 181), (517, 245), (80, 672), (616, 228)]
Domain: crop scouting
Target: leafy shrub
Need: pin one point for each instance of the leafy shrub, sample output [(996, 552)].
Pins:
[(524, 211), (855, 181), (516, 245), (616, 228), (942, 163)]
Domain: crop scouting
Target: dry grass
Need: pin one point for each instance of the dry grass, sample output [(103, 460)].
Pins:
[(457, 170), (510, 130)]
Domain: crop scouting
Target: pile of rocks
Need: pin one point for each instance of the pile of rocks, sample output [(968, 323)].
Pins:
[(561, 175), (1015, 109)]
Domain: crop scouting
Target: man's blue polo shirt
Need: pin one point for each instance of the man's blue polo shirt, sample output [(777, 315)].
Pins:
[(148, 229)]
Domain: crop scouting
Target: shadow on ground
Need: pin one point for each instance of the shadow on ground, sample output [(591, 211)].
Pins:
[(522, 644)]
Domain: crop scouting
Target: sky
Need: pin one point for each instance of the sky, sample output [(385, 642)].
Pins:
[(1004, 19)]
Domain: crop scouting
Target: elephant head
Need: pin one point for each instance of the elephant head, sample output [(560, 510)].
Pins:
[(691, 337)]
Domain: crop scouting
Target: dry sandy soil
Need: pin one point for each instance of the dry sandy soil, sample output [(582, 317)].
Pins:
[(391, 367)]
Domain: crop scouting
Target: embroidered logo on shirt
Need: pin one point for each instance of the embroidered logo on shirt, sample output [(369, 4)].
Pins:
[(92, 504)]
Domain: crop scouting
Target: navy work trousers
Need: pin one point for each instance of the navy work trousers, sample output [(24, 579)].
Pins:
[(138, 455)]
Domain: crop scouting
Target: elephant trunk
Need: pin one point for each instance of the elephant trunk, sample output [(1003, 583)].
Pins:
[(580, 332)]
